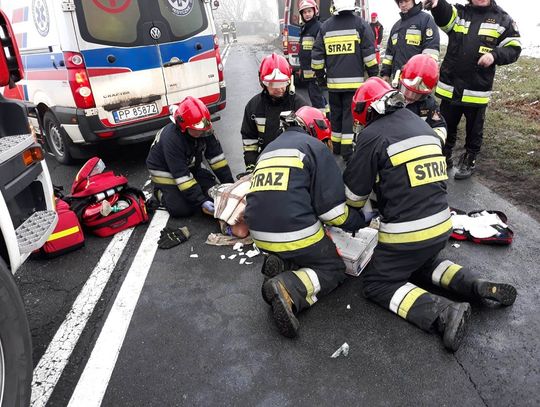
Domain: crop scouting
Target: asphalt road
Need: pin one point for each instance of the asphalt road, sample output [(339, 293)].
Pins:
[(200, 334)]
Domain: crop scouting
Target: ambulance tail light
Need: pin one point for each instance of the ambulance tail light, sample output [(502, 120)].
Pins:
[(221, 75), (285, 41), (78, 80)]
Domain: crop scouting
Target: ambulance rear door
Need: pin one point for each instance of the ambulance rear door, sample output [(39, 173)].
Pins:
[(183, 30), (122, 59)]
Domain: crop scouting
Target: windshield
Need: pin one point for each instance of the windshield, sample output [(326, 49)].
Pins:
[(128, 22)]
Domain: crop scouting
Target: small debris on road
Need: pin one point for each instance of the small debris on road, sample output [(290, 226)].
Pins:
[(456, 245), (194, 256), (348, 306), (342, 350), (232, 256)]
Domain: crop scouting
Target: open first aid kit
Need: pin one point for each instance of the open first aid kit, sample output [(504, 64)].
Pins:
[(356, 251), (104, 202), (483, 227)]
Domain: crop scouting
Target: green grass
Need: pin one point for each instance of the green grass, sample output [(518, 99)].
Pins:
[(512, 128)]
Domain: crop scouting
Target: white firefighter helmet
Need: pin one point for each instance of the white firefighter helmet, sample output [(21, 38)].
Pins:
[(343, 5)]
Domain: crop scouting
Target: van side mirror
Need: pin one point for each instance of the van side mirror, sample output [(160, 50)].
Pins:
[(11, 69)]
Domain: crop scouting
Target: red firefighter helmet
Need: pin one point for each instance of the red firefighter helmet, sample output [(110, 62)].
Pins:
[(418, 77), (314, 122), (368, 93), (191, 113), (374, 15), (304, 4), (275, 71)]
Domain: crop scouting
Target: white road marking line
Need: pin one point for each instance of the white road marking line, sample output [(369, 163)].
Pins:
[(97, 372), (226, 54), (55, 358)]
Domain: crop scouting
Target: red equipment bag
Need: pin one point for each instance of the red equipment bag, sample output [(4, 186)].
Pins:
[(91, 180), (67, 236), (115, 222)]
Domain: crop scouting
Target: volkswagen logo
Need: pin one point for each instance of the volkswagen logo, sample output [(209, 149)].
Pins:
[(155, 33)]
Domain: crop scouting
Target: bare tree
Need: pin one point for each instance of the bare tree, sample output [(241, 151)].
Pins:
[(234, 10)]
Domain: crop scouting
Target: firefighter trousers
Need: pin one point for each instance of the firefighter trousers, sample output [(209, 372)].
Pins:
[(175, 201), (316, 96), (318, 270), (342, 122), (474, 128), (390, 277)]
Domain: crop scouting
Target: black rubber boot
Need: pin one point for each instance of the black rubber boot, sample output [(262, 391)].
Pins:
[(273, 265), (452, 324), (282, 307), (466, 166), (505, 294)]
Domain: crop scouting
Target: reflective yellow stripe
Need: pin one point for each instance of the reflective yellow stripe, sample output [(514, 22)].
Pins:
[(448, 26), (414, 153), (219, 164), (339, 220), (309, 75), (346, 141), (513, 43), (356, 204), (289, 246), (253, 147), (489, 32), (417, 236), (475, 99), (63, 233), (371, 63), (335, 139), (280, 162), (317, 66), (351, 85), (449, 274), (387, 61), (461, 29), (306, 281), (163, 180), (186, 185), (484, 50), (443, 92), (413, 39), (260, 128), (340, 39), (409, 301)]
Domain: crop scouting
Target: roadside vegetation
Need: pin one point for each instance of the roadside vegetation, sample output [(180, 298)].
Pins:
[(510, 159)]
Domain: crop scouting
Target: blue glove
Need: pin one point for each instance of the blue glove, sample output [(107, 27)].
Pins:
[(208, 207)]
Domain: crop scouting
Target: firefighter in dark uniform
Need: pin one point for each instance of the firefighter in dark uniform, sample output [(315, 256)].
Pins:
[(296, 187), (261, 121), (414, 33), (378, 32), (309, 12), (344, 48), (418, 79), (174, 160), (399, 157), (225, 30), (233, 31), (481, 35)]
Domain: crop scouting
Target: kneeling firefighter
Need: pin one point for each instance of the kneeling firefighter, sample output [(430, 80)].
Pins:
[(400, 158), (180, 182), (295, 188)]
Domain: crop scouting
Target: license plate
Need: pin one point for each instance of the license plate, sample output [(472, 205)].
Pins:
[(135, 112)]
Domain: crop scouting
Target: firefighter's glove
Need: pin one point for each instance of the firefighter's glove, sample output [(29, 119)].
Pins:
[(171, 237), (321, 80), (208, 208)]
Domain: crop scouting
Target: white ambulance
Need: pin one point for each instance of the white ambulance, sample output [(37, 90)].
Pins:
[(102, 71)]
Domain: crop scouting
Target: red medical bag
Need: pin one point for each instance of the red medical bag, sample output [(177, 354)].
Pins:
[(67, 236)]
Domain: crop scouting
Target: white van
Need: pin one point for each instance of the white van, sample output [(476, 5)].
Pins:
[(107, 70)]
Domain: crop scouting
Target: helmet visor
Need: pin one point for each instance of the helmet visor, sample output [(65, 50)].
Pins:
[(411, 96), (204, 124)]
